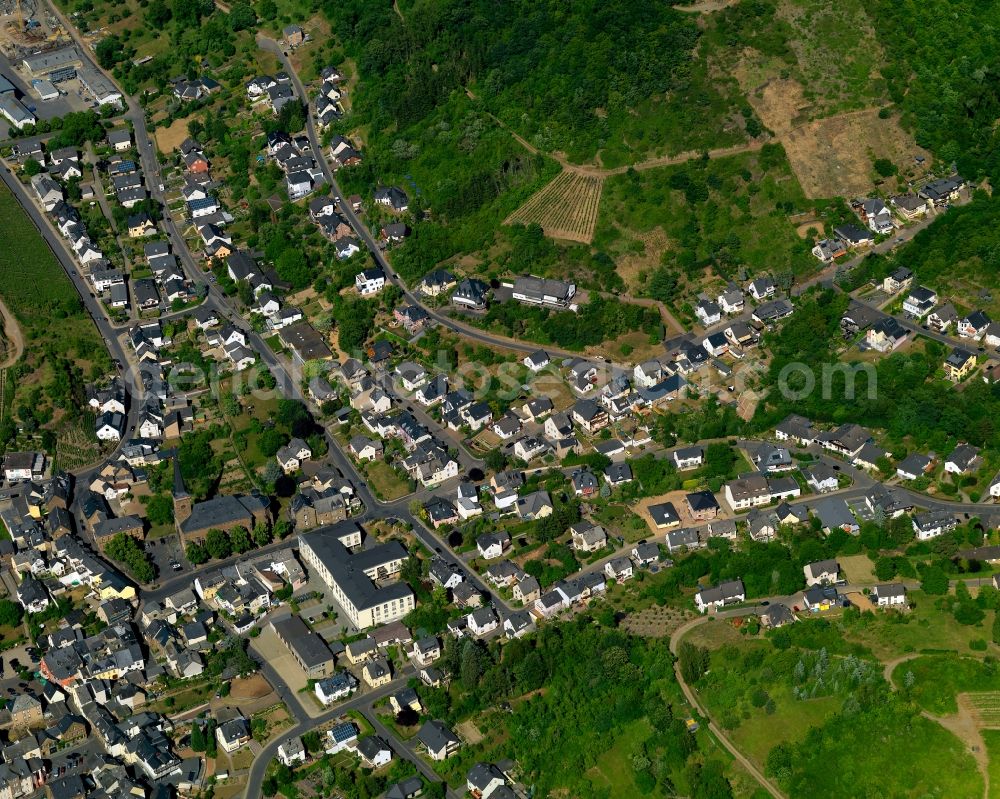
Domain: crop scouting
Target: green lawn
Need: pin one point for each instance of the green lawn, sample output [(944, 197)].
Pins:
[(386, 481), (613, 769), (992, 740), (791, 720), (937, 679), (926, 627)]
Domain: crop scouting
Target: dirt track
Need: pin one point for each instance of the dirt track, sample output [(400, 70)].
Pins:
[(12, 333)]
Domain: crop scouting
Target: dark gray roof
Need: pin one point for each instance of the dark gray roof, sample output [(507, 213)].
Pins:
[(309, 647), (349, 569), (224, 510)]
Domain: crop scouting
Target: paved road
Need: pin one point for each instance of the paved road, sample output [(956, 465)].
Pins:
[(360, 701)]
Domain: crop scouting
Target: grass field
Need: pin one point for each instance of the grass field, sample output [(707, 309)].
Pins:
[(613, 769), (926, 627), (858, 569), (992, 740), (937, 679), (566, 208), (385, 481)]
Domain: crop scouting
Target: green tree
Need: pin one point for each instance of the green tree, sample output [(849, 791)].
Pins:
[(239, 539), (32, 167), (934, 580), (160, 509), (217, 544), (261, 534), (158, 14), (242, 16), (197, 737), (694, 661), (196, 553), (11, 613)]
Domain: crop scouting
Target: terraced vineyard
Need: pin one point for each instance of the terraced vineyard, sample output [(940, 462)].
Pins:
[(566, 208)]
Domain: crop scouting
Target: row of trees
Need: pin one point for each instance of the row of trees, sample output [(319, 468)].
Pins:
[(220, 544)]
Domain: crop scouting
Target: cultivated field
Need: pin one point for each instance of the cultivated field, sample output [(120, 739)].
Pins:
[(566, 208), (986, 708)]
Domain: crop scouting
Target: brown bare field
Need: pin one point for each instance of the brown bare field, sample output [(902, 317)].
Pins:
[(469, 732), (566, 208), (802, 231), (169, 139), (641, 509), (825, 154), (253, 687)]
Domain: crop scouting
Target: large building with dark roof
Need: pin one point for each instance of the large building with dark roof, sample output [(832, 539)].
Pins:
[(309, 650), (360, 581), (194, 519)]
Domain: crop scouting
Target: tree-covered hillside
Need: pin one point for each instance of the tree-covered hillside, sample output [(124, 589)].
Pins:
[(943, 66), (574, 78)]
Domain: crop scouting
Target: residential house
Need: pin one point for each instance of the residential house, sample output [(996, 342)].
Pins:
[(438, 740), (959, 364), (684, 539), (974, 325), (708, 312), (822, 572), (942, 318), (370, 281), (373, 751), (492, 545), (886, 335), (686, 458), (909, 206), (913, 466), (877, 216), (933, 523), (588, 537), (747, 492), (919, 302), (471, 293), (888, 595), (726, 593), (702, 505), (821, 478), (619, 569), (898, 280), (664, 515)]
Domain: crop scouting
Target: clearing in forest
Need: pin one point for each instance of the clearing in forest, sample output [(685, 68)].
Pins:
[(824, 153), (565, 209)]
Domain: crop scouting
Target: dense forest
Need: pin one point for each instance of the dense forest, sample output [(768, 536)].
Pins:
[(571, 79), (943, 68)]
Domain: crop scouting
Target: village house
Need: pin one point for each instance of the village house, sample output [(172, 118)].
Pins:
[(726, 593), (959, 364), (888, 595)]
